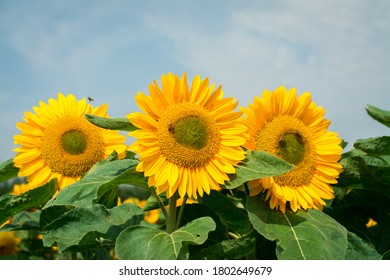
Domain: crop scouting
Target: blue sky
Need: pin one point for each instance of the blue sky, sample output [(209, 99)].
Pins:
[(110, 50)]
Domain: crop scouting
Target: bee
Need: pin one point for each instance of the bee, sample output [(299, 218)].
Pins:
[(171, 128), (90, 99)]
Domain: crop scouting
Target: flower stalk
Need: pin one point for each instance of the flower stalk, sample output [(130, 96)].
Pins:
[(171, 219)]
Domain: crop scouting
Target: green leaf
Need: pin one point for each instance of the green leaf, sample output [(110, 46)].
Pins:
[(380, 115), (358, 249), (232, 216), (146, 243), (257, 165), (101, 179), (35, 198), (25, 220), (232, 249), (299, 236), (8, 170), (386, 256), (374, 146), (90, 228), (197, 210), (152, 203), (111, 123)]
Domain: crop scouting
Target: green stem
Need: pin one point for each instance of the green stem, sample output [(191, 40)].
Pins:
[(181, 211), (160, 203), (171, 219)]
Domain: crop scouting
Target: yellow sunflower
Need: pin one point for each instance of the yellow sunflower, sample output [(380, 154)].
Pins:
[(58, 142), (294, 129), (9, 243), (18, 189), (189, 138)]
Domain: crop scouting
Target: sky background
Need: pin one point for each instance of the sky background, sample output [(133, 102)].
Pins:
[(109, 50)]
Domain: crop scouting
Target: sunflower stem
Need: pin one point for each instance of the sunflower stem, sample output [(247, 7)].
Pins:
[(171, 219), (179, 218), (160, 203), (73, 255)]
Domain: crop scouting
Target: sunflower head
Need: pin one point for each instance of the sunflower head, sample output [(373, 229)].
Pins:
[(9, 243), (57, 141), (294, 129), (189, 138)]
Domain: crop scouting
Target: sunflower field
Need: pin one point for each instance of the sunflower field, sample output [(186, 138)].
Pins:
[(202, 179)]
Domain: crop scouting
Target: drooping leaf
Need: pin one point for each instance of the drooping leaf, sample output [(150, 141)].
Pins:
[(146, 243), (230, 215), (257, 165), (302, 235), (231, 249), (380, 115), (35, 198), (100, 180), (358, 249), (111, 123), (8, 170), (25, 220), (86, 228)]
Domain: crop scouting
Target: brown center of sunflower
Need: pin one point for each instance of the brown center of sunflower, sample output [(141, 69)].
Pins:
[(188, 135), (71, 146), (290, 139)]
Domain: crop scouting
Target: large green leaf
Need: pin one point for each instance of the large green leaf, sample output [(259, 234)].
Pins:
[(257, 165), (374, 146), (380, 115), (90, 228), (111, 123), (35, 198), (100, 180), (358, 249), (26, 220), (8, 170), (232, 216), (366, 183), (146, 243), (299, 236), (231, 249)]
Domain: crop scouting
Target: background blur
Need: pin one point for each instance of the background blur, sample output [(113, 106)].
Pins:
[(110, 50)]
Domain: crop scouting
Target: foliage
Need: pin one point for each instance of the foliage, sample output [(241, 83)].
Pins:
[(86, 219)]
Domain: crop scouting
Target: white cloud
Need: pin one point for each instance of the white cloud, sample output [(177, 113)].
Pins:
[(336, 50), (109, 50)]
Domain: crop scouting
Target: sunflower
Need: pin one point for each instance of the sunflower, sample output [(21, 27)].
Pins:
[(18, 189), (9, 243), (59, 142), (188, 139), (294, 129)]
